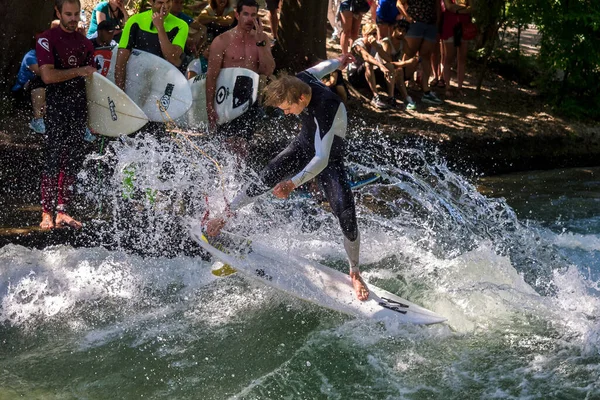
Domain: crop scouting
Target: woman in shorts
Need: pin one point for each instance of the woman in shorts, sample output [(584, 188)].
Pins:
[(423, 17), (351, 13), (457, 31)]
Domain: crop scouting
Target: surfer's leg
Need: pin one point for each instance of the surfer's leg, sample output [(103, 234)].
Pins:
[(71, 158), (339, 195), (50, 170)]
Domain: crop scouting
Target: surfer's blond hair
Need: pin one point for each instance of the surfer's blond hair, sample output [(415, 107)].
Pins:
[(285, 88)]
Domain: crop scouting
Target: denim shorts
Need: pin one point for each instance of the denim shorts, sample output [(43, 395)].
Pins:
[(418, 30)]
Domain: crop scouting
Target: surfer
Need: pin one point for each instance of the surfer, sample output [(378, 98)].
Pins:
[(155, 31), (317, 152), (245, 46), (65, 57)]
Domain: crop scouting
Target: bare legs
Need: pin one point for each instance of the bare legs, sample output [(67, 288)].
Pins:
[(350, 27), (451, 54)]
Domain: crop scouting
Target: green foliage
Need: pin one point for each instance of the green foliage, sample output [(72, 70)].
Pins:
[(570, 54), (567, 70)]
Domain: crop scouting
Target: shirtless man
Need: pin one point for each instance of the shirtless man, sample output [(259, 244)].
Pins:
[(65, 57), (244, 46), (318, 153)]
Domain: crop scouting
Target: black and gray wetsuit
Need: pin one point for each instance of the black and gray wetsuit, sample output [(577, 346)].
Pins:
[(317, 152)]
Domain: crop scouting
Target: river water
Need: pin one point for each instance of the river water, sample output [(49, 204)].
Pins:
[(514, 266)]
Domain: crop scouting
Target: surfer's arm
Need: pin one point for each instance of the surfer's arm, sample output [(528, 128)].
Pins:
[(120, 67), (328, 66), (51, 75), (323, 145), (172, 51), (215, 61)]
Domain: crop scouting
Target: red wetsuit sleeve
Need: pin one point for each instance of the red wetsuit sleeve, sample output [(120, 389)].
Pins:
[(44, 49)]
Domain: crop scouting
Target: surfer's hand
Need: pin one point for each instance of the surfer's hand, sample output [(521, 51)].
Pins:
[(260, 35), (214, 226), (87, 70), (345, 59), (158, 18), (283, 189), (213, 117)]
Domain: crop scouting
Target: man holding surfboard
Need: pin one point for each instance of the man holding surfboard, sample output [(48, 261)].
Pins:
[(65, 57), (156, 31), (245, 46), (318, 152)]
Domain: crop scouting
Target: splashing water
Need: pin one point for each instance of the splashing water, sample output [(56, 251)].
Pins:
[(138, 313)]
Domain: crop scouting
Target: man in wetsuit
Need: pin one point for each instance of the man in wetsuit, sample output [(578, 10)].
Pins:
[(65, 57), (156, 31), (317, 152), (245, 46)]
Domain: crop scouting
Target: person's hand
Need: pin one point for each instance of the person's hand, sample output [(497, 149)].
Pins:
[(214, 226), (260, 35), (283, 189), (345, 59), (213, 117), (87, 70), (121, 6), (158, 18)]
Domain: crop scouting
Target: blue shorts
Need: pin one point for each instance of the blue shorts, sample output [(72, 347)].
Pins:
[(421, 30)]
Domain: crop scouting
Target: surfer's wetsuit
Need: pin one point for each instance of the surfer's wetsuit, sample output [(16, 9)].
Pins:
[(66, 114), (140, 33), (317, 152)]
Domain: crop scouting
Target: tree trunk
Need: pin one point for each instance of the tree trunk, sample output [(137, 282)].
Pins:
[(20, 21), (302, 34)]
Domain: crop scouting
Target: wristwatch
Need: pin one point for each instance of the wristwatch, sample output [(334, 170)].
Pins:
[(262, 43)]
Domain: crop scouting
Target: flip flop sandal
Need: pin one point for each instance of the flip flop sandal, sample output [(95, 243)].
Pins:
[(441, 83), (434, 82)]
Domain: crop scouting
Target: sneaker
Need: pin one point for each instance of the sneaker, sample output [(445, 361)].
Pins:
[(410, 105), (88, 136), (431, 98), (335, 35), (37, 125), (377, 102)]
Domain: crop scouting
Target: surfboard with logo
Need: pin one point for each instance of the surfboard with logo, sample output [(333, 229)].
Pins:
[(154, 84), (309, 280), (236, 91), (110, 111)]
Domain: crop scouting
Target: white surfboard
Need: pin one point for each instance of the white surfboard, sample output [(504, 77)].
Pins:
[(311, 281), (154, 84), (237, 90), (110, 111)]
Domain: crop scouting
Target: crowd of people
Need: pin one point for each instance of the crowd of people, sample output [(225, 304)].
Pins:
[(396, 44), (404, 40)]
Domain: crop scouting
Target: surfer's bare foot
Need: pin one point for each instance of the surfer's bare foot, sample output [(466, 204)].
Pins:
[(47, 222), (64, 220), (360, 287)]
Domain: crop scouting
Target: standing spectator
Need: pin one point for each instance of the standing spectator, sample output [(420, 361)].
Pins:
[(351, 13), (244, 46), (65, 57), (30, 84), (371, 60), (388, 16), (456, 32), (423, 16), (333, 16), (437, 66), (218, 17), (156, 31), (273, 6), (113, 11)]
